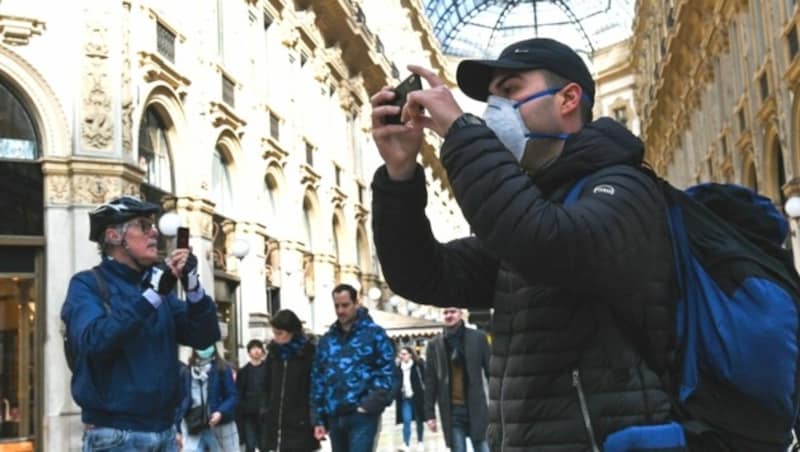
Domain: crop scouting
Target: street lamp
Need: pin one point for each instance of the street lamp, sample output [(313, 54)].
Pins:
[(374, 294), (792, 207), (240, 248), (169, 223)]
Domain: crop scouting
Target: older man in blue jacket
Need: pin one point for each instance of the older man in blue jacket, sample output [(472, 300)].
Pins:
[(123, 324)]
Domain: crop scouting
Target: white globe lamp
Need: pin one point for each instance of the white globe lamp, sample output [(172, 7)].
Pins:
[(169, 223)]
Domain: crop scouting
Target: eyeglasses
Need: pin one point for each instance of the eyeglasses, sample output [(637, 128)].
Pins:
[(145, 225)]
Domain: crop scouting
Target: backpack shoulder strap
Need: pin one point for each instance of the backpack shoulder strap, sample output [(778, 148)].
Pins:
[(576, 190), (103, 288)]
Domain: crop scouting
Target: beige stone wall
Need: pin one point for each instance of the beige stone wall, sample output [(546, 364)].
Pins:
[(716, 79), (89, 70)]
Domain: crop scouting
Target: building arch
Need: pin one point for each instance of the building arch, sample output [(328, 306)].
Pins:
[(363, 251), (164, 102), (774, 169), (41, 101), (224, 172), (310, 220), (273, 197), (749, 176)]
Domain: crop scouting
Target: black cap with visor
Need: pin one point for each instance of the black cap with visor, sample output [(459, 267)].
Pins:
[(474, 76)]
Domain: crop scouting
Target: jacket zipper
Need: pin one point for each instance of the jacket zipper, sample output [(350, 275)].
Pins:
[(280, 405), (576, 381)]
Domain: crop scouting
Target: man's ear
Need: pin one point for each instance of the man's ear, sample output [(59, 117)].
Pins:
[(113, 236), (571, 95)]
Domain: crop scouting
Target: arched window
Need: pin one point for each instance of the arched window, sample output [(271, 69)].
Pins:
[(780, 171), (154, 153), (18, 137), (271, 196), (307, 223), (363, 251), (221, 192), (337, 228)]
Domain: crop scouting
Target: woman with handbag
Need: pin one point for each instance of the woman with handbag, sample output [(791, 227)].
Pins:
[(288, 417), (410, 400), (209, 405)]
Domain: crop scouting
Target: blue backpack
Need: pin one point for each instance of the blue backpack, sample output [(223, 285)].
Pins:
[(737, 319)]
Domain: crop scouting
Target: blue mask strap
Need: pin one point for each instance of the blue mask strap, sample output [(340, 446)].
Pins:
[(548, 92), (552, 136)]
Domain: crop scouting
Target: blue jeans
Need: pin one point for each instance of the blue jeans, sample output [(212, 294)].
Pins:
[(460, 416), (353, 432), (407, 410), (116, 440)]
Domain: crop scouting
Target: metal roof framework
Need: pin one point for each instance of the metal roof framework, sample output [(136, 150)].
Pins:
[(481, 28)]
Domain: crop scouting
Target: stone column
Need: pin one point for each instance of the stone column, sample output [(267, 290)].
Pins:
[(73, 187)]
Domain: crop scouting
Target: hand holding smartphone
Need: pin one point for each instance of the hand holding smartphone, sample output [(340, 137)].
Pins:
[(183, 238), (412, 83)]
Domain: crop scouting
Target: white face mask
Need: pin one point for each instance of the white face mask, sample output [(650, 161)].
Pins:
[(502, 115), (506, 122)]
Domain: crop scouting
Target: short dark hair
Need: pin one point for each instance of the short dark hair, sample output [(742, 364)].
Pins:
[(255, 343), (554, 80), (346, 288), (287, 320)]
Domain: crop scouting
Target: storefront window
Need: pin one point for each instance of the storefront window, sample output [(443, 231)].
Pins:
[(17, 341)]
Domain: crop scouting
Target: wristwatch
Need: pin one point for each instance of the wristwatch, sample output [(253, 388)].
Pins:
[(465, 120)]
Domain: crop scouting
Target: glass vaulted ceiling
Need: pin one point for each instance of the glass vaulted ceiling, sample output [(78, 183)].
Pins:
[(480, 29)]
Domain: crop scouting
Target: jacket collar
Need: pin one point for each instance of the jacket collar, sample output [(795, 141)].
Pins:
[(599, 144), (362, 319), (117, 268)]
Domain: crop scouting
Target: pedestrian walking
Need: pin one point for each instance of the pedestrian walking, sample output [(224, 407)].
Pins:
[(410, 399), (251, 384)]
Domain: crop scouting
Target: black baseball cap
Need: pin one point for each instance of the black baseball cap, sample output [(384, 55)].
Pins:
[(474, 76)]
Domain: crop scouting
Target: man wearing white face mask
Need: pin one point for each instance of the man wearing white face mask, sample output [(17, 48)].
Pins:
[(582, 291)]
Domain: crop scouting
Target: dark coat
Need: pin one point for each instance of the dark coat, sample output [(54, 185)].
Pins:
[(251, 399), (418, 386), (288, 413), (437, 383), (583, 295)]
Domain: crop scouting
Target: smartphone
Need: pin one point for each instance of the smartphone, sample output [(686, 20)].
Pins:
[(183, 238), (412, 83)]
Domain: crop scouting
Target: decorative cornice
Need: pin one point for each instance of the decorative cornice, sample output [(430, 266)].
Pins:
[(221, 115), (18, 31), (273, 152), (156, 69), (308, 177)]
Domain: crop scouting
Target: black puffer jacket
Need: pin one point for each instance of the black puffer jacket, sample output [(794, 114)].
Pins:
[(572, 287), (288, 417)]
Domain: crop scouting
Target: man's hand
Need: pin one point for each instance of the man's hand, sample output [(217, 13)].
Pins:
[(176, 261), (398, 144), (189, 277), (320, 433), (431, 424), (438, 101), (215, 418), (161, 279), (179, 441)]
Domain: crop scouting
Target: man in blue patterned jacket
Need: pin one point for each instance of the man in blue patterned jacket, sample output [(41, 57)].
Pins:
[(352, 376)]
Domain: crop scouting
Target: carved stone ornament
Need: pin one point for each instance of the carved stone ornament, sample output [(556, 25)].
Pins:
[(127, 91), (96, 121), (17, 31)]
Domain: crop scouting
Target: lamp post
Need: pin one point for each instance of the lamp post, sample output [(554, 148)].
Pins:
[(240, 248)]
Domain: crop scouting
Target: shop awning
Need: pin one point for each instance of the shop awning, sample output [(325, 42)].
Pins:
[(399, 326)]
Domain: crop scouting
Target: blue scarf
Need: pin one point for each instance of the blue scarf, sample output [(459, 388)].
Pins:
[(291, 348)]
